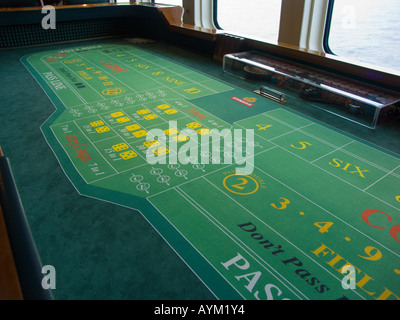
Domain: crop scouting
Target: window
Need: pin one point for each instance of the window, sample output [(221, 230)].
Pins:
[(367, 31), (174, 2), (252, 18)]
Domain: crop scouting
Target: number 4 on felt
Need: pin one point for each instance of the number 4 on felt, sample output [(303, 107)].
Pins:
[(263, 127), (323, 226)]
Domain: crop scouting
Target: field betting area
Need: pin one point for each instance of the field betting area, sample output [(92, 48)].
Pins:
[(316, 201)]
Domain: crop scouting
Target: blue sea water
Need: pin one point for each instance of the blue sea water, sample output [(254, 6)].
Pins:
[(368, 31), (362, 30)]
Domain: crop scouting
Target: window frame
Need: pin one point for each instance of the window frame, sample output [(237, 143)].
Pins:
[(327, 30), (325, 58), (312, 20), (215, 14)]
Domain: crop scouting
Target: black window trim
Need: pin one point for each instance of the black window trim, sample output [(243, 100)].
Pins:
[(215, 15), (328, 22)]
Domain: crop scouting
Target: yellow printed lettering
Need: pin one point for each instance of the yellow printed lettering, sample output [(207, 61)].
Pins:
[(192, 90), (303, 145), (240, 185), (373, 254), (366, 281), (386, 294), (283, 204), (323, 226), (337, 163)]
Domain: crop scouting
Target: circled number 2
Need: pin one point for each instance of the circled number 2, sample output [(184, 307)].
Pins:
[(241, 185)]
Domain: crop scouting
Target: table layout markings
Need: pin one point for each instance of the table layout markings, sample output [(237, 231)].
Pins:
[(189, 80), (286, 133), (236, 240), (200, 253), (111, 76), (277, 233), (373, 164), (206, 173), (98, 151), (327, 154), (65, 82), (181, 74), (132, 51), (271, 145), (331, 145), (380, 179), (329, 212), (118, 135), (152, 79), (87, 83), (119, 172)]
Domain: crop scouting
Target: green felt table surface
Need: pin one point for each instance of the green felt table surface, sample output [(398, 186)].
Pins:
[(106, 251), (92, 244)]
